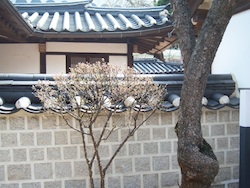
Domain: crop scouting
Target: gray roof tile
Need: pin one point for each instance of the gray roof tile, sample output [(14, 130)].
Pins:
[(82, 17), (155, 66)]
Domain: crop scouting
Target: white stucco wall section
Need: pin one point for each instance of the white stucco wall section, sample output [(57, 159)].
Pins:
[(19, 58), (118, 61), (55, 64), (86, 47), (233, 55)]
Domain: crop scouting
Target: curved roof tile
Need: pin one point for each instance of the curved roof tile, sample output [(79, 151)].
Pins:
[(82, 17)]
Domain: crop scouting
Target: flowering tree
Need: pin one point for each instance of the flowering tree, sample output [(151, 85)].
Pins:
[(91, 90)]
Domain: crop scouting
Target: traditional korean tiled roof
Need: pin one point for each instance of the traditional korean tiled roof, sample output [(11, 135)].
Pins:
[(147, 30), (82, 17), (16, 92), (155, 66)]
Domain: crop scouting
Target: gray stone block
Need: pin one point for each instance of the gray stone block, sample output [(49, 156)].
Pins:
[(218, 186), (166, 118), (235, 115), (233, 185), (2, 174), (43, 171), (63, 169), (217, 130), (211, 116), (169, 179), (104, 151), (8, 139), (4, 155), (119, 120), (159, 133), (61, 138), (44, 138), (232, 157), (175, 147), (234, 142), (111, 136), (134, 148), (165, 147), (150, 148), (122, 152), (80, 169), (75, 137), (222, 143), (17, 123), (143, 134), (53, 184), (220, 156), (3, 123), (171, 133), (27, 139), (63, 124), (153, 120), (233, 129), (205, 130), (224, 174), (70, 152), (12, 185), (19, 155), (224, 116), (33, 122), (54, 153), (150, 180), (236, 172), (19, 172), (123, 165), (31, 185), (132, 181), (75, 184), (114, 182), (124, 134), (36, 154), (160, 163), (142, 164), (101, 120), (49, 122), (174, 162)]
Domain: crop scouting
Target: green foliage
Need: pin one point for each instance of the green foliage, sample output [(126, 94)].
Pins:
[(162, 2)]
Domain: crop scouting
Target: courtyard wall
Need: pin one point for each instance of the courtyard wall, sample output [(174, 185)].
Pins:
[(41, 151)]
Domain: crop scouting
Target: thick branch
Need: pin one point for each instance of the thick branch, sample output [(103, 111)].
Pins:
[(184, 29)]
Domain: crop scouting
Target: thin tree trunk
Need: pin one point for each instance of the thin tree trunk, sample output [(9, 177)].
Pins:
[(198, 163)]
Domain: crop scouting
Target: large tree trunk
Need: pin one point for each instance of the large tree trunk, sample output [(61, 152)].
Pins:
[(198, 163)]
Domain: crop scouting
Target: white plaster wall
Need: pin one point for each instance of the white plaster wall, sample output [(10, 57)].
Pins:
[(233, 55), (119, 61), (19, 58), (55, 64), (86, 47)]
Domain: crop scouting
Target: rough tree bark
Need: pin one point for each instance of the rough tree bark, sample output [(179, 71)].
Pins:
[(198, 163)]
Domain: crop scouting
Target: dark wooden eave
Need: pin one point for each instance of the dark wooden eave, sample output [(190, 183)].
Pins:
[(13, 26)]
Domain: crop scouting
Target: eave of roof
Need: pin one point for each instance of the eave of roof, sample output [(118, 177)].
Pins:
[(13, 26)]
